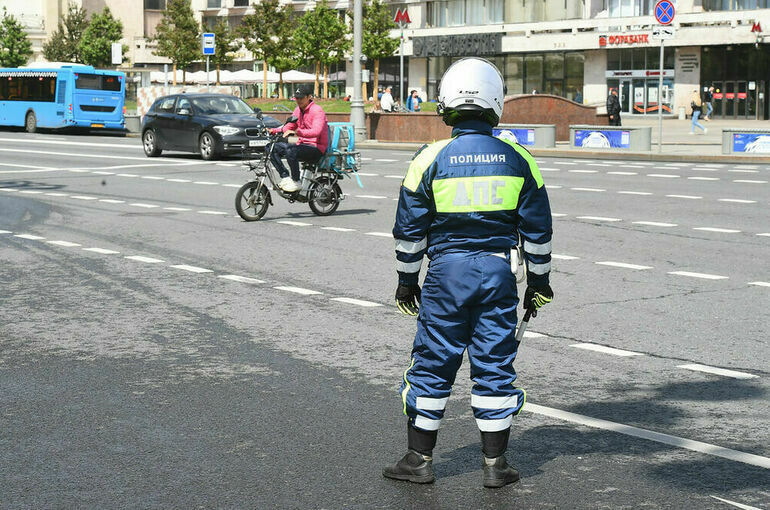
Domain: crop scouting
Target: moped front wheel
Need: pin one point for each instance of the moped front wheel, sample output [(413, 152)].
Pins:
[(252, 201), (324, 197)]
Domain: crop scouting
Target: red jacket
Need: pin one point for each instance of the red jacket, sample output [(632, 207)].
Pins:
[(311, 126)]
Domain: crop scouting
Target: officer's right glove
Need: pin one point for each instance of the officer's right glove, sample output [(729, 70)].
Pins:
[(408, 298), (537, 296)]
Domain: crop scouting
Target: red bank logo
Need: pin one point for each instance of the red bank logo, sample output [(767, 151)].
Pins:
[(402, 17), (756, 27), (614, 40), (602, 40)]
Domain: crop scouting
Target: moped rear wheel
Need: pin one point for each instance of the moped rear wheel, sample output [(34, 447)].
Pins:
[(252, 201), (324, 197)]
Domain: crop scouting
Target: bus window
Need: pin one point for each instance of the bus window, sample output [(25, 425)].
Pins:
[(97, 82)]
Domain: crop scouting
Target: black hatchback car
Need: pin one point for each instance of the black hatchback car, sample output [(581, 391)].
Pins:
[(209, 124)]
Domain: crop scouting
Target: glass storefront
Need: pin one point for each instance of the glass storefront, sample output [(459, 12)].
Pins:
[(740, 76), (634, 72)]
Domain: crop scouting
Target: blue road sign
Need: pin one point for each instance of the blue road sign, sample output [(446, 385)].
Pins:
[(664, 12), (208, 43)]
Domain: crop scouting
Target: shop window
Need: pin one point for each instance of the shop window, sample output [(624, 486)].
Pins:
[(157, 5), (241, 3), (213, 4), (554, 66), (574, 64), (514, 74), (533, 68), (623, 8)]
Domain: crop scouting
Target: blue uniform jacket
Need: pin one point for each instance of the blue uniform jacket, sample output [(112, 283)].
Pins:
[(472, 193)]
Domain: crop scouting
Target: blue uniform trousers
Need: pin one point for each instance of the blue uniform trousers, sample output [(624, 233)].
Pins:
[(468, 302)]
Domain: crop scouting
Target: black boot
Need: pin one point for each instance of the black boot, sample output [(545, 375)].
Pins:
[(497, 472), (417, 465)]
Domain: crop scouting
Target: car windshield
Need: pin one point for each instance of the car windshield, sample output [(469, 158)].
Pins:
[(221, 105)]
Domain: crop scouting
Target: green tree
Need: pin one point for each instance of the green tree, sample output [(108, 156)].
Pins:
[(63, 46), (15, 46), (284, 55), (376, 42), (178, 36), (96, 44), (322, 36), (226, 46), (263, 33)]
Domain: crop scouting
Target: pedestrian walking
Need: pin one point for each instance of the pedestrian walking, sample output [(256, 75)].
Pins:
[(708, 99), (386, 102), (464, 202), (696, 104), (613, 107)]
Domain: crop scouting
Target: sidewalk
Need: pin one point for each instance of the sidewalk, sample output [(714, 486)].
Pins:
[(678, 144)]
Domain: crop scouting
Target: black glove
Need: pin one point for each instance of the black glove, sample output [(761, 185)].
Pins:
[(537, 296), (408, 298)]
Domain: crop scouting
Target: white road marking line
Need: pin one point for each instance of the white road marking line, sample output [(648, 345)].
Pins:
[(718, 371), (294, 223), (29, 236), (588, 189), (242, 279), (369, 196), (178, 180), (44, 168), (737, 505), (215, 213), (111, 201), (714, 165), (31, 192), (399, 176), (558, 215), (634, 166), (664, 176), (543, 169), (229, 185), (176, 209), (715, 229), (598, 218), (386, 160), (658, 437), (765, 234), (598, 164), (76, 170), (30, 171), (59, 142), (564, 163), (688, 197), (192, 269), (563, 257), (57, 194), (339, 229), (366, 159), (644, 193), (79, 155), (126, 175), (379, 234), (749, 181), (226, 164), (552, 186), (737, 201), (299, 290), (101, 250), (148, 260), (705, 276), (703, 178), (622, 173), (654, 223), (84, 197), (358, 302), (66, 244), (746, 167), (8, 189), (153, 178), (103, 173), (146, 206), (745, 171), (606, 350), (583, 171), (622, 265), (5, 232), (760, 284), (206, 183), (368, 175), (532, 334)]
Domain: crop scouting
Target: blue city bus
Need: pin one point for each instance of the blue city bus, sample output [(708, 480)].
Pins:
[(65, 96)]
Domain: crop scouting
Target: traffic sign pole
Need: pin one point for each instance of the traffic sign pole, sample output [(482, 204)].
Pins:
[(664, 14)]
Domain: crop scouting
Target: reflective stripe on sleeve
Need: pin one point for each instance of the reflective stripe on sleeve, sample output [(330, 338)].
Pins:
[(494, 425), (408, 267), (431, 404), (508, 402), (421, 422), (411, 247), (537, 249), (539, 268)]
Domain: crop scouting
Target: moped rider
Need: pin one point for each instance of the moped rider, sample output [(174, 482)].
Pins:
[(312, 130), (464, 202)]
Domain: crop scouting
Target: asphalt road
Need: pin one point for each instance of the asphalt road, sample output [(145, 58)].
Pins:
[(158, 352)]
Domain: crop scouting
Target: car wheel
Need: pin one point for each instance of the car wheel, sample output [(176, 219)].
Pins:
[(30, 123), (206, 147), (150, 143)]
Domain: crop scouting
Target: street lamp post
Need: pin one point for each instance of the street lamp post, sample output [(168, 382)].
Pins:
[(357, 101)]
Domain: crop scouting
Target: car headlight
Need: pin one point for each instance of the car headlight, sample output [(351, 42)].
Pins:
[(226, 130)]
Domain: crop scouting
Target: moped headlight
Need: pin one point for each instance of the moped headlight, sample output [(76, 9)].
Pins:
[(226, 130)]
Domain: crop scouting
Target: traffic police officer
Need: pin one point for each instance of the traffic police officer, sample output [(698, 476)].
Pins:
[(464, 202)]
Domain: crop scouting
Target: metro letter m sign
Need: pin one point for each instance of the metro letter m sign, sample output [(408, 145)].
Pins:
[(756, 27), (402, 17)]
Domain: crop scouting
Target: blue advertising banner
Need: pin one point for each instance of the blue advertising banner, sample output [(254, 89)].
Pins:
[(751, 142), (592, 139), (520, 136)]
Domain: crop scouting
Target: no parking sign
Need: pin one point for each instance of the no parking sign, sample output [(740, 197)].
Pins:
[(664, 12)]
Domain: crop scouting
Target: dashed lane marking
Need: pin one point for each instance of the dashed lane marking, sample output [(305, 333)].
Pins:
[(654, 223), (704, 276), (760, 284), (622, 173), (764, 234), (31, 192), (84, 197), (66, 244), (658, 437), (206, 183), (643, 193), (148, 260), (563, 257), (741, 171), (299, 290), (543, 169), (370, 196), (687, 197), (384, 160), (717, 371), (57, 194), (606, 350), (532, 334), (242, 279), (111, 201), (368, 175), (750, 181), (5, 232), (192, 269), (153, 178), (703, 178), (146, 206), (127, 175), (596, 190), (398, 176), (213, 213), (664, 176), (230, 185), (379, 234), (598, 218), (178, 180), (623, 265), (553, 186), (31, 237), (558, 215), (294, 223), (598, 164), (715, 229), (736, 505), (102, 173), (583, 171), (179, 209), (339, 229), (101, 251), (737, 200), (358, 302)]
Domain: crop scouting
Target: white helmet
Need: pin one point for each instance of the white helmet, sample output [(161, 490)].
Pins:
[(471, 85)]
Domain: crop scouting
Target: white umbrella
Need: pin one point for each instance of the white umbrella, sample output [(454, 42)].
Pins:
[(246, 76), (297, 76)]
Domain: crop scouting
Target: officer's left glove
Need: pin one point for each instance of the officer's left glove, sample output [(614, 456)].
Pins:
[(408, 298), (536, 297)]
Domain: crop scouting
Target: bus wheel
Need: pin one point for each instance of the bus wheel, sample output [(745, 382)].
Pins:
[(31, 122), (150, 144)]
